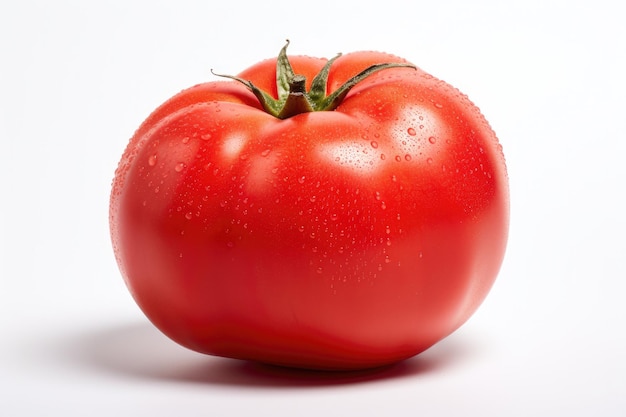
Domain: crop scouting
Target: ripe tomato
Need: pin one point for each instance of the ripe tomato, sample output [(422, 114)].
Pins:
[(257, 218)]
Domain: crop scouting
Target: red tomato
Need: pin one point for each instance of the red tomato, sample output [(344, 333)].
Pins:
[(350, 237)]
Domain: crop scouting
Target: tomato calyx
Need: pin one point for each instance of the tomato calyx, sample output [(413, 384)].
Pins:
[(293, 98)]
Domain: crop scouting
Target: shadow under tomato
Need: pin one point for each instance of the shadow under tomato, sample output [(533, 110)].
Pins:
[(141, 351)]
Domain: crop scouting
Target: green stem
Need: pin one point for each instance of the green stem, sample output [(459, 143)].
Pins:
[(297, 99), (293, 98)]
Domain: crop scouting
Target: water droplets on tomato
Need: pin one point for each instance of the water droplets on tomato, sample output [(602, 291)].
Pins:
[(152, 160), (411, 131)]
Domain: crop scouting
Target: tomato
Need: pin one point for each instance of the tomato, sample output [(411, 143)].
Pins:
[(265, 218)]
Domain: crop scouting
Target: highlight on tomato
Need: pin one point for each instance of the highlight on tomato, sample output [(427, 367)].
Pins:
[(335, 214)]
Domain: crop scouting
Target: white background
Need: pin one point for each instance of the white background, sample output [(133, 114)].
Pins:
[(77, 78)]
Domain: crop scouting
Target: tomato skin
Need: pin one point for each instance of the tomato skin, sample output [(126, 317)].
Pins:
[(341, 239)]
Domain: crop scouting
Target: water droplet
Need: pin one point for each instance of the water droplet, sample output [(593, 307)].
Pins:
[(383, 205), (206, 136), (407, 157), (432, 139), (377, 194), (320, 270), (301, 228), (301, 179), (186, 139), (156, 190), (179, 167), (411, 131), (188, 215), (398, 158), (429, 160), (439, 106), (374, 144), (388, 230), (152, 160), (230, 244), (334, 217), (313, 198), (382, 156), (265, 152)]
